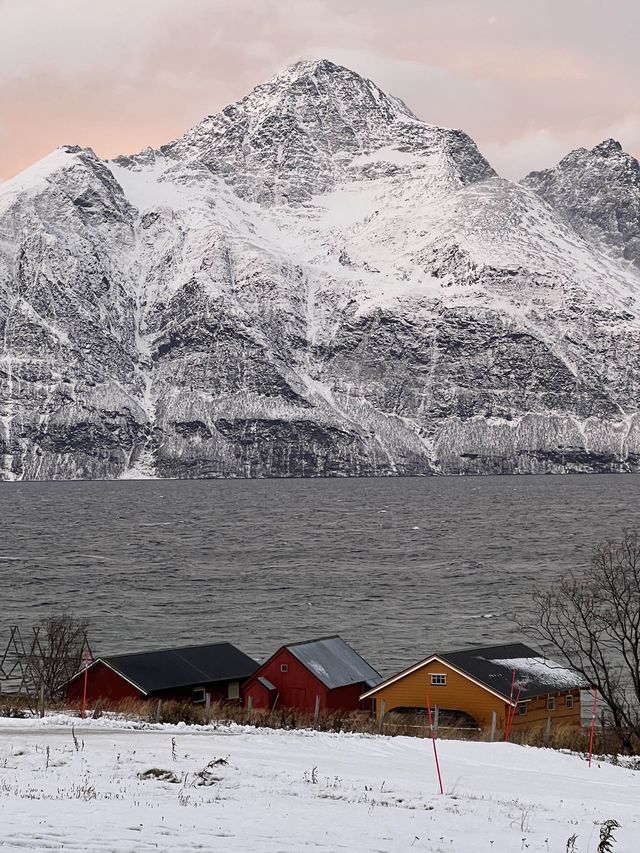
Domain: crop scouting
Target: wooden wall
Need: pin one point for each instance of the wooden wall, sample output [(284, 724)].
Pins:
[(102, 683), (459, 694), (108, 686), (537, 713)]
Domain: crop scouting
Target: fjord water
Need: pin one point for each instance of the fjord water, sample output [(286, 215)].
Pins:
[(398, 567)]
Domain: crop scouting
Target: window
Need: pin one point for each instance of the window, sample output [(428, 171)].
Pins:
[(438, 679), (551, 703), (284, 667), (199, 695), (233, 690), (522, 708), (568, 701)]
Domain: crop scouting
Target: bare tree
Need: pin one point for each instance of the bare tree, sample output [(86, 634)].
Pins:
[(593, 620), (56, 652)]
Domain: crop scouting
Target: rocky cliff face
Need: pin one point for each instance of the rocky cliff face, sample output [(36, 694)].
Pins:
[(316, 283), (599, 193)]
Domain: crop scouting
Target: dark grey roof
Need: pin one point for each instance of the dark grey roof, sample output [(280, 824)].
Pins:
[(493, 666), (334, 662), (165, 669)]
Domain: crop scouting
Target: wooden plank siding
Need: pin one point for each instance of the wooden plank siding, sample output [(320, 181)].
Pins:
[(461, 693), (537, 712)]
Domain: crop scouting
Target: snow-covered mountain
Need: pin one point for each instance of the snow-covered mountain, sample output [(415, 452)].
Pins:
[(315, 282)]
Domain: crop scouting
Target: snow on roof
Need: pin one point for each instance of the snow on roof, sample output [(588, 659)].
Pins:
[(536, 670), (334, 662), (535, 674)]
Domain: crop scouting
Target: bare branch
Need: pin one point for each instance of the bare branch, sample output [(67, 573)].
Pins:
[(593, 621)]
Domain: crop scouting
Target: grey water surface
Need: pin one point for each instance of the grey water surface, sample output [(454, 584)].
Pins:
[(398, 567)]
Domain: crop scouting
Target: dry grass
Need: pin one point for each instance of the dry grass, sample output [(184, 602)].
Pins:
[(13, 705), (570, 738)]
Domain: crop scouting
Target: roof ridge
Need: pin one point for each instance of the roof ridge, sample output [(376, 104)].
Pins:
[(316, 640), (468, 650), (168, 649), (194, 666)]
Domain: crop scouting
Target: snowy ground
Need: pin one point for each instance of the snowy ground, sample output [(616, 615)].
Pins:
[(296, 791)]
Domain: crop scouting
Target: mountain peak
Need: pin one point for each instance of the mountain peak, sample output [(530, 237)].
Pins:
[(306, 67), (298, 134), (337, 81), (607, 147), (607, 150), (312, 86), (598, 191)]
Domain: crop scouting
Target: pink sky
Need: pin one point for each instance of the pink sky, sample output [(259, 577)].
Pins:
[(529, 81)]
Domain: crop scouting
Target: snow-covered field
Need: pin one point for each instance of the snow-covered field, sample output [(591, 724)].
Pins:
[(296, 791)]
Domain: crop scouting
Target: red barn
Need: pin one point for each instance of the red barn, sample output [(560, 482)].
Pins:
[(184, 674), (295, 675)]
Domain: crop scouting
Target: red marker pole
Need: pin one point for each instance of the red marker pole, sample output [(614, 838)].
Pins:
[(84, 692), (507, 724), (433, 741), (512, 713), (593, 724)]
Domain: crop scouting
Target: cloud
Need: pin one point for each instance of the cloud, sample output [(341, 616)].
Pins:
[(527, 81)]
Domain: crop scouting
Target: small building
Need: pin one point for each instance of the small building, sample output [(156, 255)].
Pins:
[(182, 674), (297, 674), (474, 683)]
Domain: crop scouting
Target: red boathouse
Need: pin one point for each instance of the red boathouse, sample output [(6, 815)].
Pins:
[(185, 674), (296, 674)]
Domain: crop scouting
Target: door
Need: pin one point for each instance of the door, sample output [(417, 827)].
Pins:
[(294, 697)]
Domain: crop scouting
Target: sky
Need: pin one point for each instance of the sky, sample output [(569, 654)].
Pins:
[(529, 80)]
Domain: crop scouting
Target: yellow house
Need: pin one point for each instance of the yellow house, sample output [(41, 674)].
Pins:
[(508, 679)]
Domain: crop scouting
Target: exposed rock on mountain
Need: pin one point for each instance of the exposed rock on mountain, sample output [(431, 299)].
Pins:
[(314, 282), (297, 136), (599, 193)]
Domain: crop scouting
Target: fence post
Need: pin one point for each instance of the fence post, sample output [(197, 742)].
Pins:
[(381, 719), (547, 732), (436, 719), (593, 723), (494, 725), (42, 700), (207, 708), (316, 713), (250, 709), (159, 711)]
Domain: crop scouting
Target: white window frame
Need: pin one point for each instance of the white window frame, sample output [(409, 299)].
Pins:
[(522, 708), (199, 695), (569, 700), (284, 667), (551, 703), (438, 679)]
